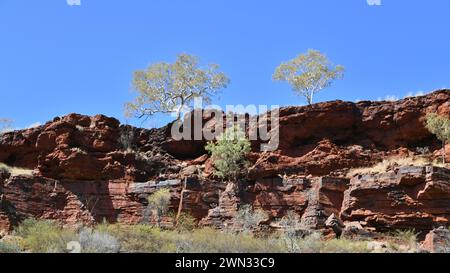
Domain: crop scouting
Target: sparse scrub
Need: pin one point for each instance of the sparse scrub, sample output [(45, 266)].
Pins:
[(290, 223), (344, 246), (392, 162), (93, 241), (6, 247), (403, 237), (159, 203), (41, 236), (248, 219), (186, 222), (225, 242)]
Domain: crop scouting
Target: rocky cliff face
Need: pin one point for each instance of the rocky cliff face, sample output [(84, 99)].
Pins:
[(87, 169)]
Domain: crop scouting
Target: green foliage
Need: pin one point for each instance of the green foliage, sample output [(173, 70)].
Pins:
[(200, 241), (46, 236), (439, 126), (167, 88), (134, 238), (159, 202), (228, 153), (186, 222), (404, 237), (42, 236), (309, 73)]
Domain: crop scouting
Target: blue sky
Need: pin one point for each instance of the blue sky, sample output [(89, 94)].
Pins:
[(57, 59)]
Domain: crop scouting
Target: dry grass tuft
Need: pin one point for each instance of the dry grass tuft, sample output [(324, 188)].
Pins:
[(14, 171), (392, 162)]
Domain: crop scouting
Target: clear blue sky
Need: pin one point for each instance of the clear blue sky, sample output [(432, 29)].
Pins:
[(57, 59)]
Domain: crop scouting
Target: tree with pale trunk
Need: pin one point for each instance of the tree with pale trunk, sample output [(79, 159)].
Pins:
[(309, 73), (171, 87)]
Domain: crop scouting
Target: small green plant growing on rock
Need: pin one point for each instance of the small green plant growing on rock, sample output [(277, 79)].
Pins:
[(440, 127), (159, 202), (228, 153)]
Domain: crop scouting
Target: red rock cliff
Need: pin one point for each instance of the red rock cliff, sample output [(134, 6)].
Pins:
[(92, 168)]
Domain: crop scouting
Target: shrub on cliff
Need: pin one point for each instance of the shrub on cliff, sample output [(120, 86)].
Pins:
[(228, 153), (439, 126)]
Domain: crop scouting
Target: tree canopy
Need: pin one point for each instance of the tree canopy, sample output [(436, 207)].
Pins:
[(309, 73), (169, 87)]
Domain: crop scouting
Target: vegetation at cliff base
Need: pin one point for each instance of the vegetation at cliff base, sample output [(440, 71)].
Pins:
[(46, 236)]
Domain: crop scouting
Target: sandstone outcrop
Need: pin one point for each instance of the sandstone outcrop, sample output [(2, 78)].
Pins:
[(405, 198), (90, 169)]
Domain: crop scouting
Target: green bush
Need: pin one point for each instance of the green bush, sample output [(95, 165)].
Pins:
[(159, 202), (228, 153), (137, 238), (41, 236), (186, 222), (439, 126), (209, 240)]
